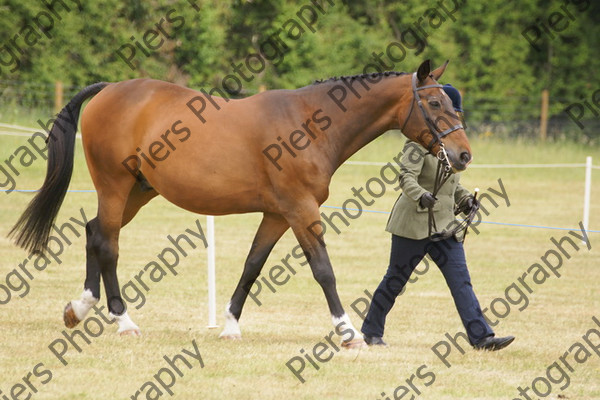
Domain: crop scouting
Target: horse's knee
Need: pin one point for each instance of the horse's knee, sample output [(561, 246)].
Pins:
[(325, 278)]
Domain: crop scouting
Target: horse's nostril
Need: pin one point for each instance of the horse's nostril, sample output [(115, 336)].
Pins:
[(465, 157)]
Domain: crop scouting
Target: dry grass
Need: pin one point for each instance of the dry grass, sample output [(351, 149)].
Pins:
[(296, 317)]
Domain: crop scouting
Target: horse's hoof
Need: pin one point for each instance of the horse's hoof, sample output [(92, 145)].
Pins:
[(358, 343), (131, 332), (231, 336), (69, 316)]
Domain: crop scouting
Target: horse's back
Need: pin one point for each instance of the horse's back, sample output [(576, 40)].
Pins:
[(212, 166)]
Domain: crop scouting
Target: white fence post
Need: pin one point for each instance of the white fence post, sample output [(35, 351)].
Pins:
[(212, 292), (587, 193)]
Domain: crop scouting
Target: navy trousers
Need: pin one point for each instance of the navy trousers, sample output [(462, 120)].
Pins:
[(449, 256)]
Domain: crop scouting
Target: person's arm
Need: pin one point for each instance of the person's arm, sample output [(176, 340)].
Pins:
[(411, 164), (460, 195), (464, 200)]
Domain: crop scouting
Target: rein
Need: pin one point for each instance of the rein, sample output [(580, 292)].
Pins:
[(444, 167), (442, 174)]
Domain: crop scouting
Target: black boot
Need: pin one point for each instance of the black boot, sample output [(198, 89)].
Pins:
[(492, 343), (375, 341)]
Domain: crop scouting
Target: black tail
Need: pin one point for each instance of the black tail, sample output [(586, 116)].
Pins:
[(33, 228)]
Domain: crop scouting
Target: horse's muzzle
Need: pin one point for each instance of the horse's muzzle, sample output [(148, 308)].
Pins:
[(461, 161)]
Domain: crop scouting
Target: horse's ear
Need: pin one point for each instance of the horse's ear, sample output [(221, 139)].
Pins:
[(436, 73), (423, 71)]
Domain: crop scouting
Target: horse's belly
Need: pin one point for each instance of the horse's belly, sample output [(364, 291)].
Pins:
[(210, 199), (205, 185)]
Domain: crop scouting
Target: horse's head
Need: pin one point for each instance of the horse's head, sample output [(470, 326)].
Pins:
[(431, 121)]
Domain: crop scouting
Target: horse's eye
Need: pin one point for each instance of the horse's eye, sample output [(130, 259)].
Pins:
[(434, 104)]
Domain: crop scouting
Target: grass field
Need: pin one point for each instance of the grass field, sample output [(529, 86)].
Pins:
[(558, 312)]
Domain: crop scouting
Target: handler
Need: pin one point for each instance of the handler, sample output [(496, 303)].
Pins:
[(408, 224)]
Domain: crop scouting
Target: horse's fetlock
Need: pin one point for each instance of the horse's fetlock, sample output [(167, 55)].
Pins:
[(116, 306)]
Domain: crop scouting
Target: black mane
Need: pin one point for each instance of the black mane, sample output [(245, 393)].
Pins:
[(360, 76)]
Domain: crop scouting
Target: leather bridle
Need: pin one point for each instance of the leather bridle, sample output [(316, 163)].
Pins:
[(444, 167), (435, 133)]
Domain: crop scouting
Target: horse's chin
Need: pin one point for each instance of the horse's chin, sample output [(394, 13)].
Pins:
[(457, 166), (456, 170)]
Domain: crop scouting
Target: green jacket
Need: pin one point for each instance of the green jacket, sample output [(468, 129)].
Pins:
[(408, 219)]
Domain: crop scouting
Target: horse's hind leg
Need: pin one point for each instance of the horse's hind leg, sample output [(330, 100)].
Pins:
[(271, 228), (76, 310), (102, 234), (102, 253)]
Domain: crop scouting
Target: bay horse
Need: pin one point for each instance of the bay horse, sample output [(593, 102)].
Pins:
[(274, 152)]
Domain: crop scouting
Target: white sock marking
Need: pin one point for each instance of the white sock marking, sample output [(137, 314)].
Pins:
[(125, 323), (232, 328), (343, 327), (83, 306)]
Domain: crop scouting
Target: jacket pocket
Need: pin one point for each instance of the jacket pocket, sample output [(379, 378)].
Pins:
[(436, 207)]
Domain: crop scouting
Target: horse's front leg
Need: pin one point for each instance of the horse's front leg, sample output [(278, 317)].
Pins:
[(271, 228), (306, 224)]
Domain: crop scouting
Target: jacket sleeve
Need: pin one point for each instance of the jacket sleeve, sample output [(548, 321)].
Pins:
[(461, 194), (411, 164)]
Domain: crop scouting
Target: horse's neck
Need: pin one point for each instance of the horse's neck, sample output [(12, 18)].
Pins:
[(366, 117)]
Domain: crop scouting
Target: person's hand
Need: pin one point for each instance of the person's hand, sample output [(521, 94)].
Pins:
[(469, 205), (427, 200)]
